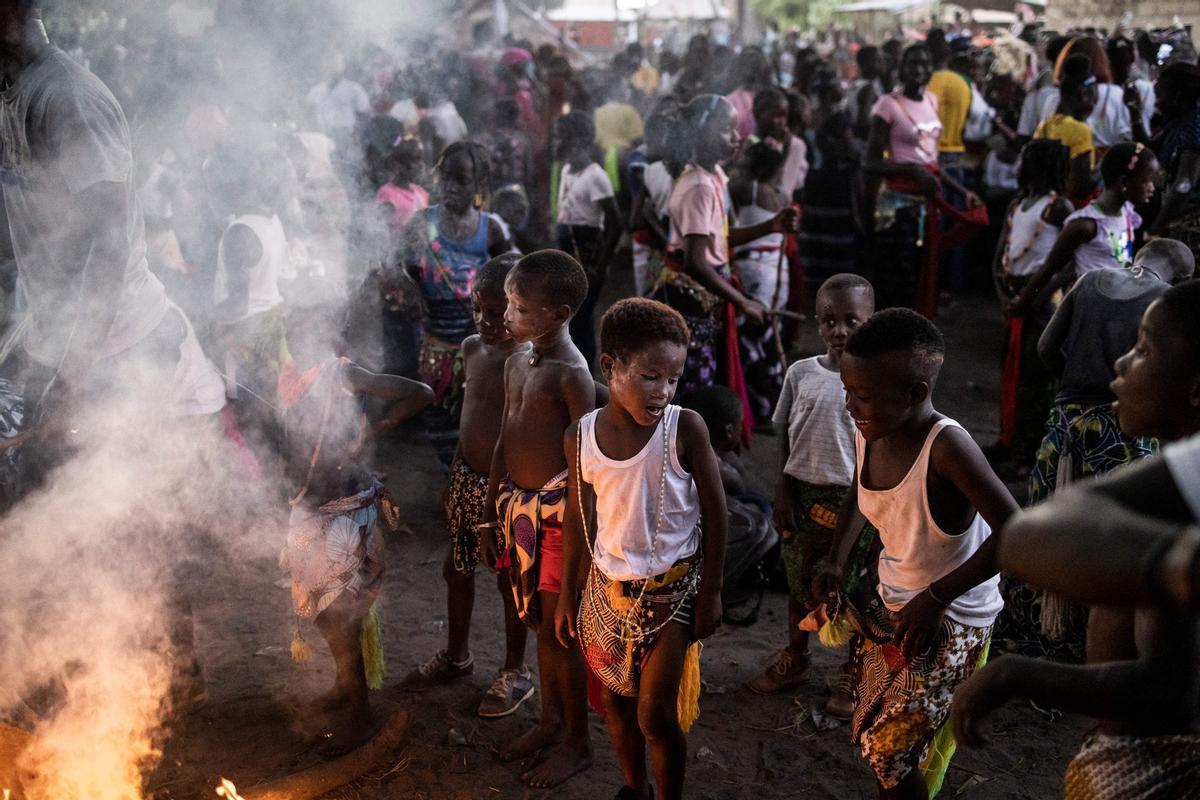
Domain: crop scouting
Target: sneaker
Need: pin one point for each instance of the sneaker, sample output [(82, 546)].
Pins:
[(511, 688), (785, 672), (438, 670)]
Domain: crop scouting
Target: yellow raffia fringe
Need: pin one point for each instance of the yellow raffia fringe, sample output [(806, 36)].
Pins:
[(372, 649), (301, 652), (835, 633), (688, 702)]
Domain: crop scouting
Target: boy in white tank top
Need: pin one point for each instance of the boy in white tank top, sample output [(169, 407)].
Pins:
[(643, 574), (925, 485)]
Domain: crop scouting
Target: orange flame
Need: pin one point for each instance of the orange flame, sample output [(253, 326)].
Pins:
[(226, 790)]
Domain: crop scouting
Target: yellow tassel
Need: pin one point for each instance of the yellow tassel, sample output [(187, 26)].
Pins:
[(301, 652), (688, 702), (835, 633), (372, 649)]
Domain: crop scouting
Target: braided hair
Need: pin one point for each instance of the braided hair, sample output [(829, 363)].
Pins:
[(1045, 164), (481, 162)]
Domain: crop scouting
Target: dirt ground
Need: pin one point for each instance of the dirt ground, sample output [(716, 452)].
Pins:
[(743, 746)]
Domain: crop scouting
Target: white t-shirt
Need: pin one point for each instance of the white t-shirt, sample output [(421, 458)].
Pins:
[(338, 108), (62, 132), (1183, 461), (579, 196), (820, 430), (1109, 120), (658, 182)]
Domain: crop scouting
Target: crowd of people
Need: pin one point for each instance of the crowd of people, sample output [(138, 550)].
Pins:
[(432, 253)]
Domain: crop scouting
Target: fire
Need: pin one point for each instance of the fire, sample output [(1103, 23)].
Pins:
[(226, 790)]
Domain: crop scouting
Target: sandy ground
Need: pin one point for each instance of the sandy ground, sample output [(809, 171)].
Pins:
[(743, 746)]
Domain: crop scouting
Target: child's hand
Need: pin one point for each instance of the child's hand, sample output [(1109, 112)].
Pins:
[(489, 547), (754, 311), (784, 510), (973, 200), (564, 616), (978, 697), (918, 625), (827, 581), (786, 221), (707, 615)]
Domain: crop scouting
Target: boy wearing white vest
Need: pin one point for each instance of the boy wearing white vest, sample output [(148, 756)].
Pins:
[(921, 480)]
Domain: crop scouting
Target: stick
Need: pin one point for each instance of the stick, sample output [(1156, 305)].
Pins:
[(783, 312), (779, 353), (321, 779)]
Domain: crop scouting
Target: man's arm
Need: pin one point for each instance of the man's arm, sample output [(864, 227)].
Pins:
[(408, 397)]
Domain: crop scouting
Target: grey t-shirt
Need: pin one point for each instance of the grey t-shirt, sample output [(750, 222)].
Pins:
[(62, 132), (1096, 324)]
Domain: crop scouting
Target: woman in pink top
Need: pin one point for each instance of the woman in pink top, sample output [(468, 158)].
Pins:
[(402, 193), (904, 180), (697, 280)]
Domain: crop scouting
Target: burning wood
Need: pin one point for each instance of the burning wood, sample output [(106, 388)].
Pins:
[(321, 779)]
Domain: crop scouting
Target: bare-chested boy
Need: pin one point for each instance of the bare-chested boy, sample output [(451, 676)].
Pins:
[(545, 390), (483, 357)]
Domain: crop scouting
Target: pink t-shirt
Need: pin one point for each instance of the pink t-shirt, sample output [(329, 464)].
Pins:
[(700, 205), (742, 101), (404, 202), (915, 127)]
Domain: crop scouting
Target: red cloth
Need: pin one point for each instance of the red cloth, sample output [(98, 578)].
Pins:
[(1009, 379), (965, 225)]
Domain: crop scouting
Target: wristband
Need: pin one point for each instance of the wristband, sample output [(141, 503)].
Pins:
[(935, 598), (487, 526)]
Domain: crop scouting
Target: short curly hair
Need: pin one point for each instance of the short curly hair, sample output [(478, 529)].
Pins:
[(554, 275), (491, 276), (635, 322), (899, 330)]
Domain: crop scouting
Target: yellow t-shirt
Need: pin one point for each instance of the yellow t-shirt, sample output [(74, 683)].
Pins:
[(1075, 135), (953, 94)]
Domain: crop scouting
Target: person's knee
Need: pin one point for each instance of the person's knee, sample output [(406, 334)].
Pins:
[(657, 718)]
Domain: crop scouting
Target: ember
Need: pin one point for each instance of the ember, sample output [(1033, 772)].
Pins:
[(226, 789)]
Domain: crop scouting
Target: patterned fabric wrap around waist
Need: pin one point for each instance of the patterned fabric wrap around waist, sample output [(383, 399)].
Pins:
[(620, 621)]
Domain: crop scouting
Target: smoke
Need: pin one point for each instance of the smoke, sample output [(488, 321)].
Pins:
[(94, 631)]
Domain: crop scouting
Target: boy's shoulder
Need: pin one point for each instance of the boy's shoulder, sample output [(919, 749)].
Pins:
[(811, 367)]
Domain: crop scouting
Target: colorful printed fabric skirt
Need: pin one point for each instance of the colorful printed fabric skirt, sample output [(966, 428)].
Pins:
[(338, 548), (441, 368), (617, 630), (901, 707), (1135, 768), (818, 508), (1080, 442), (465, 497), (525, 516)]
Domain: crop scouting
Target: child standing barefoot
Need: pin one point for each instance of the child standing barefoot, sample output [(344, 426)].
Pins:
[(484, 355), (545, 389), (648, 472), (925, 485), (816, 457), (334, 548)]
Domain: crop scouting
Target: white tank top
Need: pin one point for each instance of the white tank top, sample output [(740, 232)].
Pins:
[(1030, 239), (916, 552), (754, 214), (273, 264), (627, 499)]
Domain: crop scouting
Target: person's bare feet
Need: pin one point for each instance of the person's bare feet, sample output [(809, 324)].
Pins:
[(530, 742), (349, 733), (559, 765)]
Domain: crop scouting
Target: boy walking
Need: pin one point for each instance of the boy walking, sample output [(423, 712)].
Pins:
[(924, 484), (546, 389)]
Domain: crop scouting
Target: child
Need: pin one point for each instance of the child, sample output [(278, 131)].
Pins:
[(1096, 323), (1100, 236), (484, 355), (653, 584), (1077, 99), (649, 218), (816, 457), (832, 202), (445, 245), (589, 222), (924, 484), (760, 267), (1140, 680), (334, 549), (697, 281), (545, 389), (400, 192), (1032, 225)]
